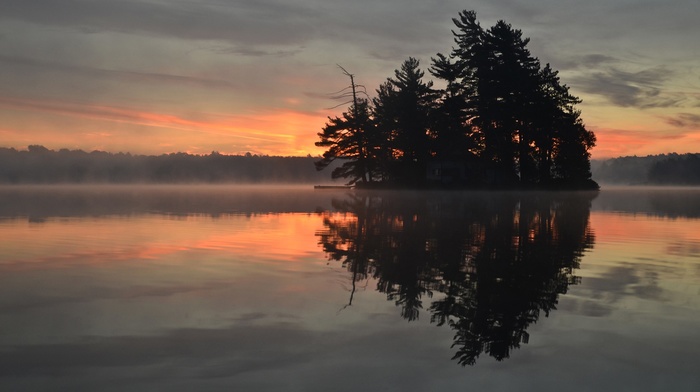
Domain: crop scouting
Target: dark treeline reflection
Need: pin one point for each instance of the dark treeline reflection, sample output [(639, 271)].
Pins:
[(38, 203), (496, 260)]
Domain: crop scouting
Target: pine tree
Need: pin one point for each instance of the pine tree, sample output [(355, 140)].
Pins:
[(451, 129), (500, 110), (402, 110), (350, 138)]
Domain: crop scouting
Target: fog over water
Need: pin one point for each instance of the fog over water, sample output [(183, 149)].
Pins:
[(77, 200), (95, 200)]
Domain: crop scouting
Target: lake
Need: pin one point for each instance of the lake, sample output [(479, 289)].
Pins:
[(245, 288)]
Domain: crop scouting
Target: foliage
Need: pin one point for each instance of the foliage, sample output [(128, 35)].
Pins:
[(502, 120), (676, 169), (39, 165), (351, 138), (663, 169), (402, 112)]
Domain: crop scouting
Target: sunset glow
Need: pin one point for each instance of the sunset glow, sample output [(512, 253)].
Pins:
[(256, 78)]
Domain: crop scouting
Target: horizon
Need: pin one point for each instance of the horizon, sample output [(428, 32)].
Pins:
[(203, 154), (156, 78)]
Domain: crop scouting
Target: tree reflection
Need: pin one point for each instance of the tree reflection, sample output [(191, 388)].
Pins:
[(495, 261)]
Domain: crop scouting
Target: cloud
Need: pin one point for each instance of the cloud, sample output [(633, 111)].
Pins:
[(585, 62), (189, 56), (642, 89), (41, 67), (684, 120), (243, 21), (251, 51), (214, 126), (250, 27)]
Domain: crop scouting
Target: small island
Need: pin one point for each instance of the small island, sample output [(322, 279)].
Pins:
[(501, 120)]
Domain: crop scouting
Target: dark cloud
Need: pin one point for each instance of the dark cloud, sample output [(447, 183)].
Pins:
[(511, 11), (27, 65), (251, 51), (586, 62), (684, 120), (247, 21), (642, 89), (595, 60), (251, 26)]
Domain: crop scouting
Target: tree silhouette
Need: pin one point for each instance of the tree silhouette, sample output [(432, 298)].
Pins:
[(676, 169), (504, 74), (402, 110), (530, 130), (499, 260), (352, 138), (501, 121), (454, 136)]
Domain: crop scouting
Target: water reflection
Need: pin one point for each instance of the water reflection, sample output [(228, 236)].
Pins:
[(37, 203), (667, 202), (490, 263)]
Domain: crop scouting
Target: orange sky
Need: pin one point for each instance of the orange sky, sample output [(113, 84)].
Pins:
[(150, 78)]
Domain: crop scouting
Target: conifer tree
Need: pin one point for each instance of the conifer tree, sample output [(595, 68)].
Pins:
[(402, 110), (451, 129), (500, 110), (350, 138)]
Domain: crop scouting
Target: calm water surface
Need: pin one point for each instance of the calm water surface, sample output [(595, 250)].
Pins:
[(290, 289)]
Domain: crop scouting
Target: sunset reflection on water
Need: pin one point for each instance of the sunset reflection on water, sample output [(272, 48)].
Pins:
[(258, 299)]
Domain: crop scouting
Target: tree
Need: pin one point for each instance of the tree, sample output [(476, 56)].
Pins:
[(353, 138), (504, 77), (349, 138), (452, 132), (402, 110), (501, 117), (525, 116), (572, 165)]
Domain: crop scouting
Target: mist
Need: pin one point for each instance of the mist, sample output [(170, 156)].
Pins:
[(39, 165), (664, 169), (37, 203)]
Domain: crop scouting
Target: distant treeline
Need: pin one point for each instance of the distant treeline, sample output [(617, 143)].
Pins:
[(39, 165), (664, 169)]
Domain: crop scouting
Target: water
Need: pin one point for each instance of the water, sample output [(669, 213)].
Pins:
[(287, 288)]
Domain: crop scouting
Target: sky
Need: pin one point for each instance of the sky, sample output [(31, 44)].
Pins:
[(238, 76)]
